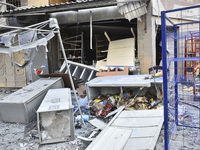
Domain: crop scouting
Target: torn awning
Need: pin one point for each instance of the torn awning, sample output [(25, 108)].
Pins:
[(132, 9), (28, 39)]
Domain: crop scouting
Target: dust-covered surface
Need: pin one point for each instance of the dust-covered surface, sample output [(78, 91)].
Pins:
[(183, 138), (18, 136), (25, 137)]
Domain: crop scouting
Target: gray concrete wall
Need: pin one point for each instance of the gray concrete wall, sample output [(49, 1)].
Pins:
[(147, 41)]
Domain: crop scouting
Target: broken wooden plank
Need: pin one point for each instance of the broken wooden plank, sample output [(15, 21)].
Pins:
[(143, 132), (141, 114), (85, 139), (114, 138), (138, 144), (98, 123), (145, 137), (89, 139), (113, 112), (153, 144), (119, 137), (113, 73), (99, 137), (136, 122)]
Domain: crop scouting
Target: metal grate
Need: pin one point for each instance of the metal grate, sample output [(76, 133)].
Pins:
[(181, 77)]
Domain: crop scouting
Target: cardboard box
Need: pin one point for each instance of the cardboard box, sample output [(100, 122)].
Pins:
[(82, 91)]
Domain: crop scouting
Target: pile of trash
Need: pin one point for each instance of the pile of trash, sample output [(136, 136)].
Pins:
[(102, 105)]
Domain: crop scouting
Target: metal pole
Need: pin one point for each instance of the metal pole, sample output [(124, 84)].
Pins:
[(69, 72), (91, 30), (165, 86), (176, 74), (25, 27)]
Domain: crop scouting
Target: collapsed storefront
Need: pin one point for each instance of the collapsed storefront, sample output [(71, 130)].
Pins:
[(86, 30), (87, 27)]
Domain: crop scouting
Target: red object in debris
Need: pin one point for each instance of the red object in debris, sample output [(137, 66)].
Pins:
[(101, 113), (108, 107), (38, 72), (104, 112)]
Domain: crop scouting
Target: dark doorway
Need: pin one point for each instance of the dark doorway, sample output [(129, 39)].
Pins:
[(158, 46)]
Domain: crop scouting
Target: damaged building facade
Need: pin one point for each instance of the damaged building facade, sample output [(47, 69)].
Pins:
[(86, 28)]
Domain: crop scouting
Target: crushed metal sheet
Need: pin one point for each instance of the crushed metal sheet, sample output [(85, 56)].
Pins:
[(132, 10)]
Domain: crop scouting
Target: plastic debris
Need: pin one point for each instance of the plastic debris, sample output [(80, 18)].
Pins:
[(102, 105)]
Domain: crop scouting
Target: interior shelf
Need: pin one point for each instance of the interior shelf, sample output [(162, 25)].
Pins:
[(73, 48)]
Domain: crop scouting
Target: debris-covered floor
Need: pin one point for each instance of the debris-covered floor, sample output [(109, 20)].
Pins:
[(18, 136)]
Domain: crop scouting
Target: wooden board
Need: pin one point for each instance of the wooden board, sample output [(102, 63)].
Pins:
[(98, 123), (113, 73), (138, 144), (142, 127), (121, 53), (141, 114), (113, 139), (136, 122), (143, 132)]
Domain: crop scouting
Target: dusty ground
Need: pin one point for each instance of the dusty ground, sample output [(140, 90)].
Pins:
[(25, 137)]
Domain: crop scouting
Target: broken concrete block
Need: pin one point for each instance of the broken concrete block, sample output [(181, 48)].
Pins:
[(21, 106), (55, 118)]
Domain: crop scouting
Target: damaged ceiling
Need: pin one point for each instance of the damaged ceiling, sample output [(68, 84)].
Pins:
[(78, 11)]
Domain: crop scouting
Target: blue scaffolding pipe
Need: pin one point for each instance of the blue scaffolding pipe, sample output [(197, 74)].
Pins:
[(170, 20), (185, 59), (187, 23), (172, 135), (188, 126), (175, 75), (180, 9), (164, 57)]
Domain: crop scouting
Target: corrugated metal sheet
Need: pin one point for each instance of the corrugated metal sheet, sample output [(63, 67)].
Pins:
[(79, 4), (132, 10), (46, 6)]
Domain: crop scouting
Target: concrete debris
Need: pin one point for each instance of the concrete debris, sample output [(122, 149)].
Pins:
[(16, 136)]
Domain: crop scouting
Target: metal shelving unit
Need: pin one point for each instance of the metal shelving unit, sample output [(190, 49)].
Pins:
[(101, 47), (180, 79), (73, 49)]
